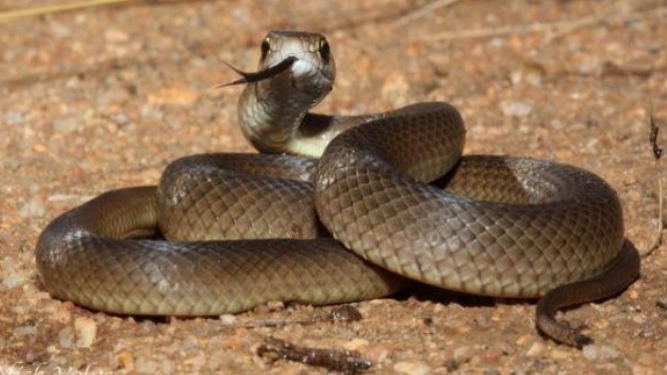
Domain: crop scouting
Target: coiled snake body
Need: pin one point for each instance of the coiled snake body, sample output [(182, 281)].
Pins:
[(510, 227)]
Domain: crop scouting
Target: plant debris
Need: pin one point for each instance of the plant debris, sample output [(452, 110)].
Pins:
[(347, 361)]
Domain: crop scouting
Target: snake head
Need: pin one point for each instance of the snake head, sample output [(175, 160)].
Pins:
[(311, 51), (313, 71), (297, 61)]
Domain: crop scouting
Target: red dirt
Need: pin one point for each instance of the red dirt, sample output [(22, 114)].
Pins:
[(104, 98)]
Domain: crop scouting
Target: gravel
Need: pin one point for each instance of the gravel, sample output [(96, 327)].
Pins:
[(104, 98)]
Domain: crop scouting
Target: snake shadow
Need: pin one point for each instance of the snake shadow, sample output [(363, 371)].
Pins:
[(427, 293)]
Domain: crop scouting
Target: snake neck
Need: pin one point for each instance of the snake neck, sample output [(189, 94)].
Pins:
[(269, 120), (277, 123)]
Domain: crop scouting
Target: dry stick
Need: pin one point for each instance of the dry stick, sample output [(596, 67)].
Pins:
[(554, 27), (423, 11), (621, 9), (347, 361), (14, 15), (654, 131)]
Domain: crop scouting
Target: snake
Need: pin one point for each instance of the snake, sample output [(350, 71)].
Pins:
[(339, 208)]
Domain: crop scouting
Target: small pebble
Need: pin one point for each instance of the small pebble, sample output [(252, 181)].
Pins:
[(525, 339), (66, 338), (149, 112), (377, 354), (126, 360), (536, 349), (25, 331), (14, 118), (66, 124), (148, 327), (227, 319), (492, 355), (591, 352), (61, 30), (143, 366), (174, 124), (602, 324), (86, 331), (516, 77), (111, 96), (516, 109), (14, 280), (607, 352), (395, 88), (63, 312), (411, 368), (32, 208), (559, 354), (121, 119), (116, 36), (461, 354), (355, 344)]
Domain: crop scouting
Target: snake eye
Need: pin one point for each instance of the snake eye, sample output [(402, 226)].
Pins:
[(325, 50), (265, 47)]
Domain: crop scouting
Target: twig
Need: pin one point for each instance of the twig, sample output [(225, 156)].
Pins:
[(14, 15), (654, 131), (348, 361), (423, 11), (553, 27), (621, 8)]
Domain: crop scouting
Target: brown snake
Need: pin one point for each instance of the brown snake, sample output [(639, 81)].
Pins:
[(502, 226)]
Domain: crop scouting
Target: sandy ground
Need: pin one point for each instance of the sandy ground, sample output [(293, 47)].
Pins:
[(105, 98)]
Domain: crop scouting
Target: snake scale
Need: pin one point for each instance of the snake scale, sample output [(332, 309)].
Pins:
[(244, 229)]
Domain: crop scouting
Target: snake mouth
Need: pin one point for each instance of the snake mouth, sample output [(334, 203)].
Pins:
[(270, 72), (299, 66)]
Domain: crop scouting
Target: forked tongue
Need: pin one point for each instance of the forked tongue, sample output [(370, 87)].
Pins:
[(259, 76)]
